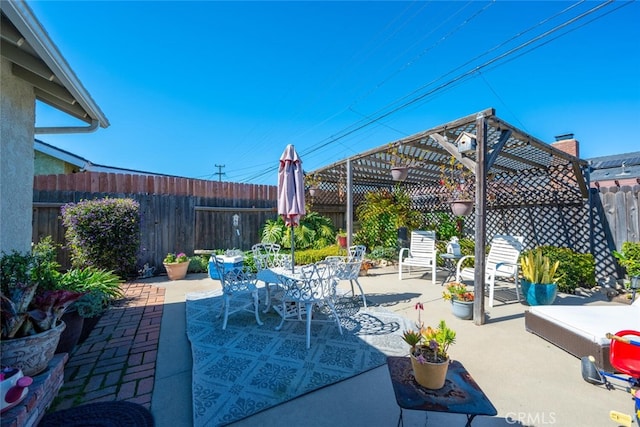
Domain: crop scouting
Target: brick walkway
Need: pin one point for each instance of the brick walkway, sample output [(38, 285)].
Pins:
[(118, 360)]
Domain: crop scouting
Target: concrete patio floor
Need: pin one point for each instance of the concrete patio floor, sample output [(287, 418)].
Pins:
[(530, 381)]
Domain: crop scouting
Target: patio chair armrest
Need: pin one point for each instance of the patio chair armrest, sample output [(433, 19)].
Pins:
[(461, 260), (402, 251)]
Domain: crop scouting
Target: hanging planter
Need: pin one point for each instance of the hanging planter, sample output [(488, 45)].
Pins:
[(313, 191), (399, 173), (462, 207)]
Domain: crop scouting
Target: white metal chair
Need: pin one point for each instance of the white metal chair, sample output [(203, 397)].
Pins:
[(314, 285), (502, 262), (266, 257), (239, 286), (356, 253), (348, 269), (421, 253)]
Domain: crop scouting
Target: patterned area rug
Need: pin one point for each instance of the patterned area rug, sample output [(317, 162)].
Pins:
[(248, 368)]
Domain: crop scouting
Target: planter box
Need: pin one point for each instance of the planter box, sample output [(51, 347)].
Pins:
[(230, 262)]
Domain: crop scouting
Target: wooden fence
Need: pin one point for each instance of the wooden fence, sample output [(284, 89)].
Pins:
[(217, 215), (180, 214)]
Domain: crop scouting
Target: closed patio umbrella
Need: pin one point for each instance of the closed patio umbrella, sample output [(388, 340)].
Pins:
[(291, 191)]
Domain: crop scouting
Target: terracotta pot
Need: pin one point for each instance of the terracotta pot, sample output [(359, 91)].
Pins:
[(462, 207), (32, 354), (430, 375), (177, 270)]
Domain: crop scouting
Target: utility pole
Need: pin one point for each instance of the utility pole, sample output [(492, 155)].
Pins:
[(220, 173)]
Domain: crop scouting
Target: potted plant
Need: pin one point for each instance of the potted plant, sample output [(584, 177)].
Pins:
[(539, 277), (176, 265), (341, 238), (458, 184), (429, 353), (31, 316), (461, 300), (629, 258), (99, 287), (400, 162), (312, 181)]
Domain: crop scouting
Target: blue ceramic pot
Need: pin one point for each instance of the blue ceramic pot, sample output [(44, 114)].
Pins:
[(462, 309), (539, 294)]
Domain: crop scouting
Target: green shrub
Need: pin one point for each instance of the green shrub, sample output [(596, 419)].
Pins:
[(629, 258), (103, 233), (380, 216), (387, 254), (576, 269), (198, 264), (310, 256)]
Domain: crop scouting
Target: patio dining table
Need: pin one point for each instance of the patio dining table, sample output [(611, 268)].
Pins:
[(302, 288)]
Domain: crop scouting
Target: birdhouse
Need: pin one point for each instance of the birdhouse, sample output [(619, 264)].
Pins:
[(466, 142), (453, 247)]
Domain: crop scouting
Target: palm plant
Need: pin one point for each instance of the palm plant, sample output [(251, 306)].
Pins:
[(314, 231)]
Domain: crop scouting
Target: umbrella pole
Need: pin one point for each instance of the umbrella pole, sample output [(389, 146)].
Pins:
[(292, 250)]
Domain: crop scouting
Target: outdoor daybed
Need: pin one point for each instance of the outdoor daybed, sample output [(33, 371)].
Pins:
[(581, 330)]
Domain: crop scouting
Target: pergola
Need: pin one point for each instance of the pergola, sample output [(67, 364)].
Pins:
[(512, 170)]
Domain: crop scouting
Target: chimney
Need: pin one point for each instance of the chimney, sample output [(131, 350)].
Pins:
[(568, 144)]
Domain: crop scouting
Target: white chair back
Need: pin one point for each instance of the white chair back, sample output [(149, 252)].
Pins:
[(423, 243), (504, 253)]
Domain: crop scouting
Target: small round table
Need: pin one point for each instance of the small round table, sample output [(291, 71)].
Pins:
[(450, 261)]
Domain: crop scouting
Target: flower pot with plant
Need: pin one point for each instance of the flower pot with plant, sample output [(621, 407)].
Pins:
[(176, 265), (400, 162), (461, 300), (341, 238), (312, 182), (429, 353), (99, 287), (539, 278), (458, 183), (31, 310)]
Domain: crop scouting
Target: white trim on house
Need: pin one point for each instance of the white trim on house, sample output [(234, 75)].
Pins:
[(35, 36)]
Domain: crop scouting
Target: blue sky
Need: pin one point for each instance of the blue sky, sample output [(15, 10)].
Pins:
[(191, 85)]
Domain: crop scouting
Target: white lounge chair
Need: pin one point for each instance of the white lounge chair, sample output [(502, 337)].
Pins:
[(502, 262), (422, 253)]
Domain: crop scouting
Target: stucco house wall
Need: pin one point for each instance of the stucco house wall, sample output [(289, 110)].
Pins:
[(17, 120), (49, 165)]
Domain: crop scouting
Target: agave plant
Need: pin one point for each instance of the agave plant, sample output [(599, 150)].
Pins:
[(537, 268)]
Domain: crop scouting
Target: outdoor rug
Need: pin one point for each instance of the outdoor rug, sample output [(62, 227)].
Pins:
[(248, 368)]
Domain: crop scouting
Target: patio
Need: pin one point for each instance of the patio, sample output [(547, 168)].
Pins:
[(528, 380)]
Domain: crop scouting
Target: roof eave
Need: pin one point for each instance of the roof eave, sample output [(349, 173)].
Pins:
[(25, 21)]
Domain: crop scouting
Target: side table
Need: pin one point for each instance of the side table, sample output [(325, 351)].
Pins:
[(450, 261), (460, 394)]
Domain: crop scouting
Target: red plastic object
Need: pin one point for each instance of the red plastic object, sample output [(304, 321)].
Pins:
[(626, 357)]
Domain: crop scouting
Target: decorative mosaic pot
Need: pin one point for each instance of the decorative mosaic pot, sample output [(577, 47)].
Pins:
[(32, 354)]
